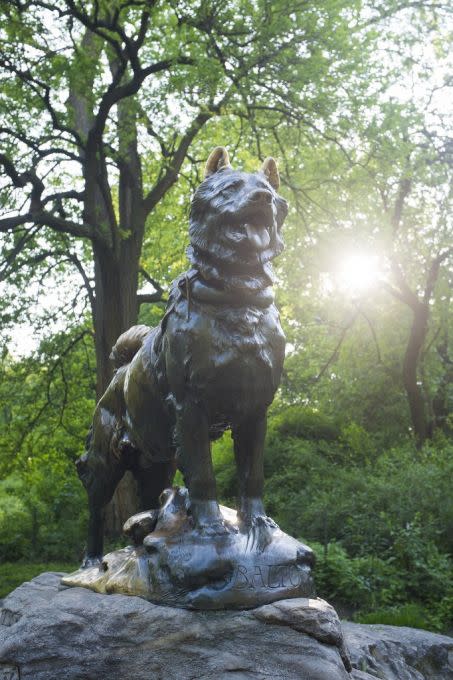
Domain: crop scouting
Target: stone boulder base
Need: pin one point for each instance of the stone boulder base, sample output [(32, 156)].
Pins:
[(50, 632), (398, 653)]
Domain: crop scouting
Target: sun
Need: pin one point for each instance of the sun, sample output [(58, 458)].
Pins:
[(357, 273)]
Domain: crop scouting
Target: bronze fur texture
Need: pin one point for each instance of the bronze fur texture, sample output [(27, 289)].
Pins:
[(213, 363)]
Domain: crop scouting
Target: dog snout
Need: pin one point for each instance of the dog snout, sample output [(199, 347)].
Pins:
[(261, 197)]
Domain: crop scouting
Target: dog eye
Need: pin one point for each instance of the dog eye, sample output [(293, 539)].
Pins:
[(234, 186), (282, 208)]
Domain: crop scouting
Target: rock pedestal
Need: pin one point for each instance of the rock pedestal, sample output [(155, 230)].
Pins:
[(52, 632), (398, 653)]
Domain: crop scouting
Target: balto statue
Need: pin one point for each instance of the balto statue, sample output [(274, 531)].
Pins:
[(213, 363)]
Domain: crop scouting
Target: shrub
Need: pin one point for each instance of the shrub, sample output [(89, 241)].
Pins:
[(16, 522)]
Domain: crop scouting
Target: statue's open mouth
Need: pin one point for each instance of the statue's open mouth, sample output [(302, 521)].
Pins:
[(257, 236), (252, 235)]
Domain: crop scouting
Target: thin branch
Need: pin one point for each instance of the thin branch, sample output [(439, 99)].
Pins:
[(333, 357), (50, 373), (406, 294), (43, 91), (156, 285), (433, 273), (395, 292), (143, 298), (72, 257), (171, 173), (76, 195), (372, 331), (404, 188)]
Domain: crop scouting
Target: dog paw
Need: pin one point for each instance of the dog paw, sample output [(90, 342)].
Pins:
[(217, 527), (264, 520), (259, 530), (91, 561), (140, 525), (252, 515), (257, 523)]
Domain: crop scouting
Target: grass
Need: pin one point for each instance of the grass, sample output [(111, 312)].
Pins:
[(411, 615), (12, 574)]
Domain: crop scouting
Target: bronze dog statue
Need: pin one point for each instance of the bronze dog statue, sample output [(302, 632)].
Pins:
[(214, 362)]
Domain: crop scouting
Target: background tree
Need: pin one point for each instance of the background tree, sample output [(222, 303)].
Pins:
[(385, 217)]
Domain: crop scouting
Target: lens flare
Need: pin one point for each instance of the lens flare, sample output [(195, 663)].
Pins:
[(357, 273)]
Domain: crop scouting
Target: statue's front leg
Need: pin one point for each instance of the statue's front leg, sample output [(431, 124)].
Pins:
[(248, 450), (194, 461)]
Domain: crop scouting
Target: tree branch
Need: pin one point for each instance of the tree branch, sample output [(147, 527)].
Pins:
[(159, 289), (65, 226), (116, 92), (43, 91), (334, 354), (404, 187), (406, 294), (143, 298), (433, 273), (72, 257), (171, 173)]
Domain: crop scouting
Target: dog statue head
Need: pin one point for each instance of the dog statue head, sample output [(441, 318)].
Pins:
[(235, 223)]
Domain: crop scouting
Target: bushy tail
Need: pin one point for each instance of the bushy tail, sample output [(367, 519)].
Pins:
[(128, 344)]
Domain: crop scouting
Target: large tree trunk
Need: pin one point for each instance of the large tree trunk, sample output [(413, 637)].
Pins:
[(116, 310), (417, 407), (116, 279)]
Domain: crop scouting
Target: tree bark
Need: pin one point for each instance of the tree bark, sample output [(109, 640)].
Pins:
[(441, 406), (116, 309), (417, 337)]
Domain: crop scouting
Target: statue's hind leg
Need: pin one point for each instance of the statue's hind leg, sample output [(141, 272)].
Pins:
[(248, 450), (100, 483), (152, 480)]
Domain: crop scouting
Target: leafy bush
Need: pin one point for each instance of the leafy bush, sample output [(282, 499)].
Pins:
[(355, 582), (15, 520), (42, 513), (381, 524), (304, 422)]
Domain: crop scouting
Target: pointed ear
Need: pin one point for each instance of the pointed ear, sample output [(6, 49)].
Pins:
[(218, 159), (269, 168)]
